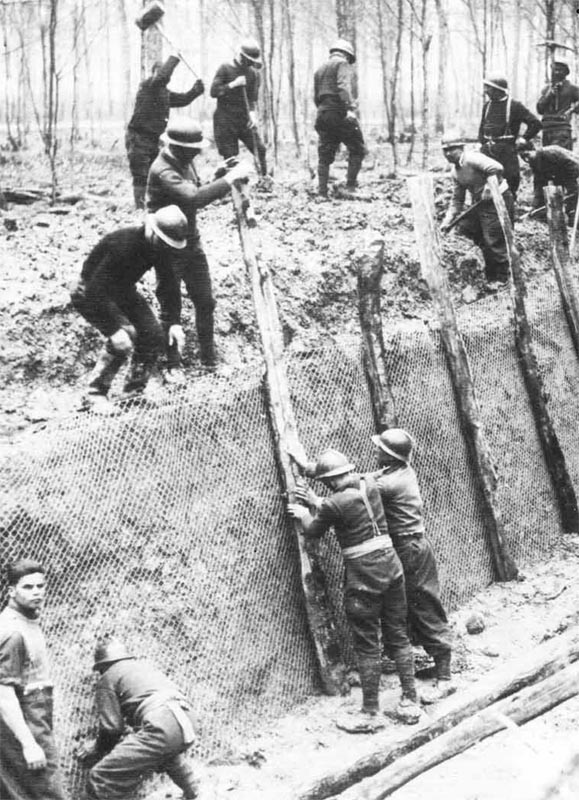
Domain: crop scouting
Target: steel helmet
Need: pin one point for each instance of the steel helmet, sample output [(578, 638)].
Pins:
[(332, 463), (170, 225), (343, 46), (497, 82), (396, 442), (185, 133), (452, 139), (250, 50), (109, 652)]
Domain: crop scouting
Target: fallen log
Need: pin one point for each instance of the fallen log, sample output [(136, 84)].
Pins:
[(520, 708), (547, 659)]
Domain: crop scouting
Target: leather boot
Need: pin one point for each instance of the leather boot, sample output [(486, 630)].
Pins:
[(139, 195), (138, 377), (354, 165), (108, 364), (370, 669), (323, 177)]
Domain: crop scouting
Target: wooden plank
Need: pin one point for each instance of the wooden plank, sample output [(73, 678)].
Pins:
[(520, 708), (561, 261), (422, 197), (552, 452), (370, 269), (320, 618)]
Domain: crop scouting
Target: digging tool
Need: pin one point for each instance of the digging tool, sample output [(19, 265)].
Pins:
[(464, 214), (536, 211), (149, 17), (253, 134)]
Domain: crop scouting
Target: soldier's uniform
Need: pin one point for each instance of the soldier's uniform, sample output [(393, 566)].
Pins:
[(558, 100), (556, 164)]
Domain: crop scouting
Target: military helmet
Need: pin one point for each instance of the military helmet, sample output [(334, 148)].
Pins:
[(170, 224), (562, 65), (343, 46), (250, 50), (452, 139), (397, 442), (185, 133), (110, 651), (332, 463), (497, 82)]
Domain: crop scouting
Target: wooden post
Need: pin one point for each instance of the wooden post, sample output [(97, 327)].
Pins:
[(543, 661), (320, 618), (518, 708), (560, 260), (421, 195), (370, 271), (555, 460)]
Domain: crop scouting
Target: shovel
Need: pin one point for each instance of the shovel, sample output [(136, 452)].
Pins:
[(460, 217), (149, 17)]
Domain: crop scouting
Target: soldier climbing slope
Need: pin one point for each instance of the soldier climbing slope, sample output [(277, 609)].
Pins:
[(499, 131), (107, 297), (559, 99), (236, 89), (400, 493), (556, 164), (174, 180), (374, 596), (150, 116), (470, 172), (28, 758), (336, 121), (135, 693)]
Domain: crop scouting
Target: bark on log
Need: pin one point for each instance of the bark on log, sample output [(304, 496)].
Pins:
[(554, 458), (520, 708), (560, 260), (370, 270), (320, 618), (547, 659), (421, 195)]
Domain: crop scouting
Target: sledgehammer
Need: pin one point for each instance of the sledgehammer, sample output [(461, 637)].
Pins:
[(150, 16)]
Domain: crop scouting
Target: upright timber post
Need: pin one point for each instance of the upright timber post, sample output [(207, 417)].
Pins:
[(320, 619), (560, 260), (151, 47), (370, 271), (421, 195), (554, 458)]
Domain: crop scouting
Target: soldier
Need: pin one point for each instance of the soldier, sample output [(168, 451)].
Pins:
[(236, 89), (559, 99), (556, 164), (173, 180), (135, 693), (400, 493), (374, 597), (107, 297), (150, 115), (28, 757), (482, 225), (499, 131), (336, 121)]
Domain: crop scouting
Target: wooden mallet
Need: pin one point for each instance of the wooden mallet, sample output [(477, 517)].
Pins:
[(150, 16)]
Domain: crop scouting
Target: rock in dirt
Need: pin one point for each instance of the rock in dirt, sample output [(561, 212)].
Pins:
[(475, 624)]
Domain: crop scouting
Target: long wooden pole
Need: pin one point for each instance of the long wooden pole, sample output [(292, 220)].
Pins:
[(545, 660), (320, 618), (421, 195), (560, 260), (370, 271), (554, 458), (518, 708)]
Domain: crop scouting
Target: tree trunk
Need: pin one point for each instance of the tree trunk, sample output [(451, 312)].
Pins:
[(289, 21), (151, 47), (443, 41)]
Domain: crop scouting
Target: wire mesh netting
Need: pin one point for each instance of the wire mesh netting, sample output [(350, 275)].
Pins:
[(166, 525)]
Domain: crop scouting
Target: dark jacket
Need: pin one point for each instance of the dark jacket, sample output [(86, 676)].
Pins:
[(231, 101), (494, 123), (172, 183), (154, 101), (554, 163), (556, 103), (118, 261), (333, 85)]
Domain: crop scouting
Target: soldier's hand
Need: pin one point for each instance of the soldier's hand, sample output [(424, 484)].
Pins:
[(176, 337), (486, 194), (239, 81), (198, 87), (351, 115), (239, 172), (307, 496), (444, 227), (34, 756), (252, 122), (297, 511)]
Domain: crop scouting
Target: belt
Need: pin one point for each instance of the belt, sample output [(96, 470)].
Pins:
[(383, 542), (175, 705), (408, 535), (492, 139)]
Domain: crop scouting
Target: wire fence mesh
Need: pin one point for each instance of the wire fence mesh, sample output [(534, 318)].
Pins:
[(166, 525)]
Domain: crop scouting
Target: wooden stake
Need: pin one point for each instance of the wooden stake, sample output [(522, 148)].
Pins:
[(370, 271), (521, 707), (320, 618), (421, 195), (545, 660), (560, 260), (554, 458)]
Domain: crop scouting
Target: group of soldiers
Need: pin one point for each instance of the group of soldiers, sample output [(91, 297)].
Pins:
[(146, 723)]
